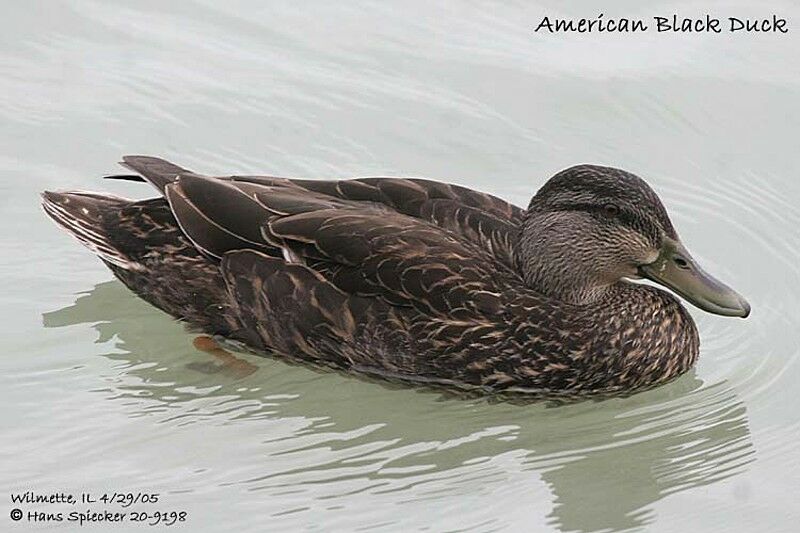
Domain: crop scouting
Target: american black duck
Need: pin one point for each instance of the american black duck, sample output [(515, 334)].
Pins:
[(414, 279)]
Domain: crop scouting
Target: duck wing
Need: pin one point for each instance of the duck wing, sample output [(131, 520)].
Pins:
[(362, 248), (156, 171), (405, 261), (481, 218)]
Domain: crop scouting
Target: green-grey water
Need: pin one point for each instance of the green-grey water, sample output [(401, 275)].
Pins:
[(104, 393)]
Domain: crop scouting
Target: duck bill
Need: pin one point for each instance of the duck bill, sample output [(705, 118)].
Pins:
[(677, 270)]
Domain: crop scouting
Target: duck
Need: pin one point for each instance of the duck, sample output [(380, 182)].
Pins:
[(415, 280)]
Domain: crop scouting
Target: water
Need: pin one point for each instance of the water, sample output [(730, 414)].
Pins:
[(102, 392)]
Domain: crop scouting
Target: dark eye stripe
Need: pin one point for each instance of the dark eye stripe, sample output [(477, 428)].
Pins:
[(624, 217), (595, 209)]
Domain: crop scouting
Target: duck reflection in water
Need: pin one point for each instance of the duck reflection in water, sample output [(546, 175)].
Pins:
[(605, 462)]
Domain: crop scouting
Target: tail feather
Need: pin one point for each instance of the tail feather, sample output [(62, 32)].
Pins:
[(81, 215)]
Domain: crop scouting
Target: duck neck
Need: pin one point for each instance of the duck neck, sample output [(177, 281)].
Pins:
[(557, 281), (550, 263)]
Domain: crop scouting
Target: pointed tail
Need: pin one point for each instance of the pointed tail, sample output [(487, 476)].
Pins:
[(81, 215)]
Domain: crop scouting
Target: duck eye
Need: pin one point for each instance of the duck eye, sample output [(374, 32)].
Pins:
[(610, 211)]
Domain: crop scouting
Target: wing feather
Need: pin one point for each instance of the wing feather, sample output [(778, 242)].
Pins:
[(406, 261), (481, 218), (443, 249), (158, 172)]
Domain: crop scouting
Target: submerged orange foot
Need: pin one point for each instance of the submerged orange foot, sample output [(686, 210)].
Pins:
[(229, 363)]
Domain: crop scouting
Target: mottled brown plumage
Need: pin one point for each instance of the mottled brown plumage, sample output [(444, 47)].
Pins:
[(409, 279)]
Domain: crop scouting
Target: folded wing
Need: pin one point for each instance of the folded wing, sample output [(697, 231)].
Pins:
[(364, 248), (480, 218)]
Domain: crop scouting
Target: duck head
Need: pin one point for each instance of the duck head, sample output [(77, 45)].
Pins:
[(589, 227)]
